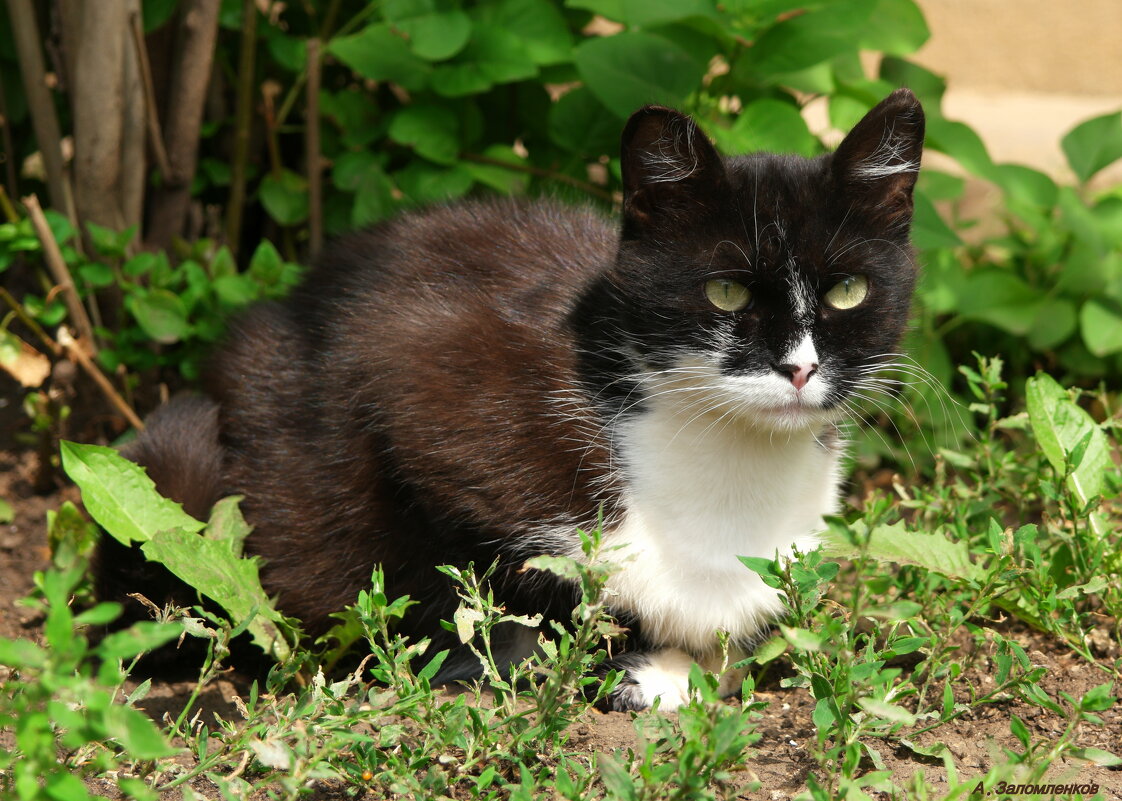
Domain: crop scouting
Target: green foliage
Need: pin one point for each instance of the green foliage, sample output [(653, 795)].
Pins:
[(67, 694)]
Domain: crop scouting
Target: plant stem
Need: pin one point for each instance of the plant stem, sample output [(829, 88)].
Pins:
[(312, 145), (584, 186), (243, 116), (60, 272), (152, 117), (25, 32)]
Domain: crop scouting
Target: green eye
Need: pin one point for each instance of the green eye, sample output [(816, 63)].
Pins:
[(848, 293), (727, 295)]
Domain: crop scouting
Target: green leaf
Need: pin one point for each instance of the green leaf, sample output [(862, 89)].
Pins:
[(227, 525), (645, 13), (803, 40), (616, 778), (537, 24), (108, 242), (1096, 756), (801, 639), (105, 612), (767, 125), (438, 35), (493, 56), (962, 143), (136, 732), (119, 495), (212, 567), (929, 231), (266, 265), (96, 274), (1093, 144), (634, 68), (580, 123), (1055, 323), (378, 53), (21, 654), (432, 131), (895, 27), (895, 543), (1026, 185), (374, 199), (235, 290), (288, 51), (502, 179), (886, 711), (157, 12), (7, 513), (1100, 323), (160, 313), (141, 637), (426, 183), (1059, 425), (770, 650), (1000, 298), (62, 787), (285, 197)]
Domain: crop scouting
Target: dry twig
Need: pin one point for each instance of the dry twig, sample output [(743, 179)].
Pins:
[(25, 31), (315, 162), (60, 272)]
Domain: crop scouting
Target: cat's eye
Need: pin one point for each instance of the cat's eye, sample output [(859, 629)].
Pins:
[(848, 292), (727, 295)]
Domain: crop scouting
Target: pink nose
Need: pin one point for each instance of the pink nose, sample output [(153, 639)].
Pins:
[(799, 374)]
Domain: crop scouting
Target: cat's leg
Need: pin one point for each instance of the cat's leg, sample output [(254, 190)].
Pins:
[(664, 674)]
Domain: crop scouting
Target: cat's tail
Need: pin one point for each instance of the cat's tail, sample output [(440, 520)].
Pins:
[(180, 450)]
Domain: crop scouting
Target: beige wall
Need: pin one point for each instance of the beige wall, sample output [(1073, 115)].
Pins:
[(1049, 46), (1024, 72)]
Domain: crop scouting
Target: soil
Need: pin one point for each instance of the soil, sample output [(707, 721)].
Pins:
[(783, 756)]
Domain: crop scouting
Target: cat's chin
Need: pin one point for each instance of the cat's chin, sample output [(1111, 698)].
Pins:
[(790, 417)]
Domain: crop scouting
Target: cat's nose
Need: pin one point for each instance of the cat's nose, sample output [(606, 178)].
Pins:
[(798, 374)]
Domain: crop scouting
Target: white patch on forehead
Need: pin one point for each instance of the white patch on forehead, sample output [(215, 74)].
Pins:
[(801, 299), (803, 353)]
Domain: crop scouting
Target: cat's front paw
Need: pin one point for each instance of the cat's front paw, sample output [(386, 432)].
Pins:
[(662, 675)]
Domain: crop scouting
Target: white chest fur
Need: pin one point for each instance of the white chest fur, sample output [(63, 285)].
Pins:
[(700, 493)]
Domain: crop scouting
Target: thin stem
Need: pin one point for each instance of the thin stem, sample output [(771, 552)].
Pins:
[(76, 352), (30, 322), (60, 272), (25, 32), (584, 186), (244, 117), (152, 118), (312, 145)]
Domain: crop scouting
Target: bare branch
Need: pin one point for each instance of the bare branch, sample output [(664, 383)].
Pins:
[(151, 113), (198, 31), (98, 100), (315, 160), (244, 116), (60, 272), (77, 353), (25, 31)]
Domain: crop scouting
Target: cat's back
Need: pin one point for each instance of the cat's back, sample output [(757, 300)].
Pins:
[(522, 260)]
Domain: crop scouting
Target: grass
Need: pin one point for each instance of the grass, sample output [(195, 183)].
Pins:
[(898, 631)]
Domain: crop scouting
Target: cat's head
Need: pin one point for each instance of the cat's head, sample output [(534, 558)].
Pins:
[(769, 287)]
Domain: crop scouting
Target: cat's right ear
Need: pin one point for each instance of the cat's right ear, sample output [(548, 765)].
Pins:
[(670, 169), (878, 161)]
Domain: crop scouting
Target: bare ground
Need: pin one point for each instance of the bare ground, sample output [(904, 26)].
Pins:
[(782, 758)]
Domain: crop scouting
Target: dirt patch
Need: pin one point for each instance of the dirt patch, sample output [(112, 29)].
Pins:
[(783, 756)]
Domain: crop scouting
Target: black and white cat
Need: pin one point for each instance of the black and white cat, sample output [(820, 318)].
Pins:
[(473, 382)]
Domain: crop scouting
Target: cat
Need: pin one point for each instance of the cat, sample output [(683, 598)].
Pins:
[(475, 381)]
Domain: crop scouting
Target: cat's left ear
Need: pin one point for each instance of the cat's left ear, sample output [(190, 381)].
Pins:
[(878, 162), (671, 171)]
